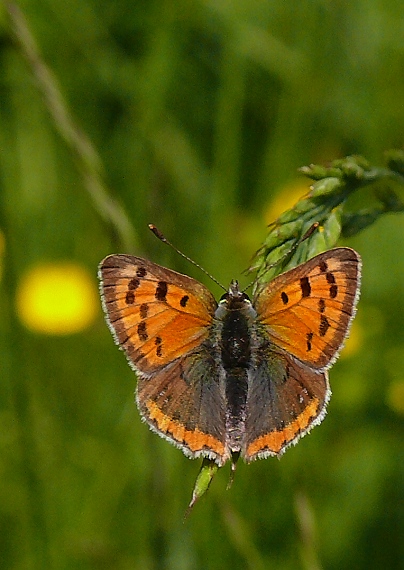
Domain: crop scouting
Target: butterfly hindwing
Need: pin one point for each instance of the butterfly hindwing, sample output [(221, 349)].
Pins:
[(185, 403), (285, 399)]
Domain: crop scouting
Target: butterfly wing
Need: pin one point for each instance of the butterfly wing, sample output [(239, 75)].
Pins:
[(303, 317), (285, 400), (162, 321), (307, 311)]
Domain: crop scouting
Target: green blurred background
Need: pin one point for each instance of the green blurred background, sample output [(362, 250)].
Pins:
[(200, 112)]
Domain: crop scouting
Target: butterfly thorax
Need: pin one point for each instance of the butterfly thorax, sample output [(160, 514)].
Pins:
[(235, 316), (235, 313)]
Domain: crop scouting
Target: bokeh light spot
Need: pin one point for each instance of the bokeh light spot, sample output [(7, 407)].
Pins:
[(286, 198), (354, 341), (57, 298), (395, 396)]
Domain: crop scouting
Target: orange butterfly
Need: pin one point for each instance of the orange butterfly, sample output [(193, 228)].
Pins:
[(217, 379)]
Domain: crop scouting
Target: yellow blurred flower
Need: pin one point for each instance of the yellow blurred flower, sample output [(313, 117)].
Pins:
[(57, 298), (395, 396), (287, 198), (354, 340)]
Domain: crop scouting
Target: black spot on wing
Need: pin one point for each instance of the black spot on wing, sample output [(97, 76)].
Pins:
[(144, 310), (324, 325), (305, 287), (323, 266), (309, 338), (161, 291), (130, 298), (184, 301), (133, 284), (333, 291), (159, 349), (142, 331), (333, 286)]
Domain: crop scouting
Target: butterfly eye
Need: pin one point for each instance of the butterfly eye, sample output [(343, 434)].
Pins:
[(224, 298)]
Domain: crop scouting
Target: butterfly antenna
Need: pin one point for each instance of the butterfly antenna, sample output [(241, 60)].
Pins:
[(162, 238), (290, 252)]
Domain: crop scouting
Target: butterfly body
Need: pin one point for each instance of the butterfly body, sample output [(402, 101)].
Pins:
[(237, 376), (233, 329)]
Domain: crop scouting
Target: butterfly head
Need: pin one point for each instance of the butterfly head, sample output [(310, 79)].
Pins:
[(234, 299)]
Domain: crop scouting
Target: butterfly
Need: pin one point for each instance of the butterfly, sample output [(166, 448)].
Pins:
[(238, 376)]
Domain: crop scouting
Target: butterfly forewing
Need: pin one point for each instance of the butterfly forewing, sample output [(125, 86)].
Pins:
[(307, 311), (155, 314)]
